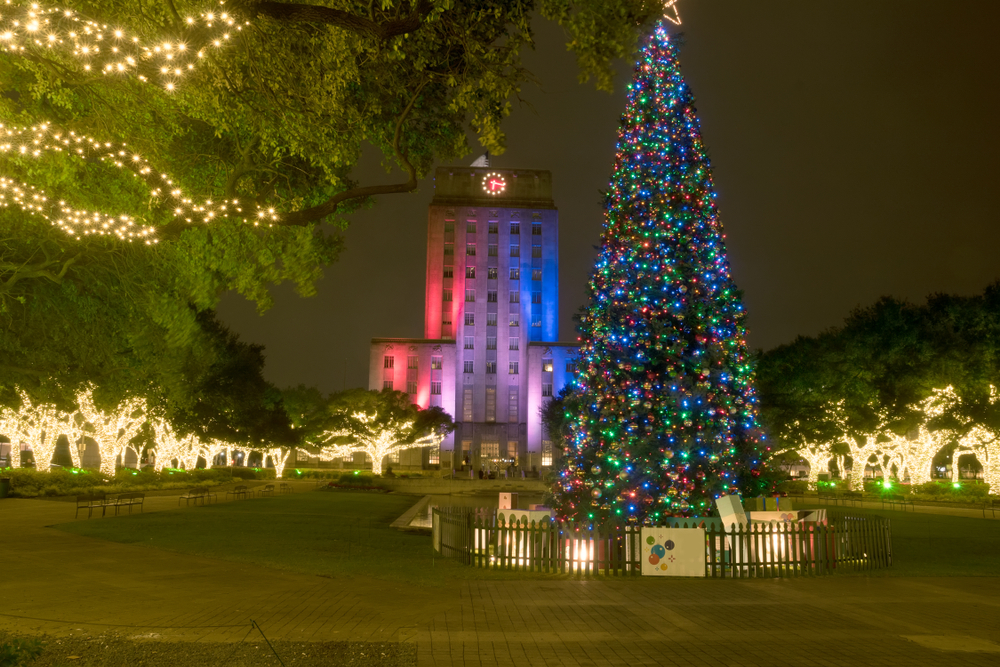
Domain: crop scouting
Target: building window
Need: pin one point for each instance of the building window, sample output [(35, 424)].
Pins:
[(490, 450), (515, 297), (394, 456), (449, 226), (468, 367), (388, 362), (446, 329), (491, 296), (512, 368), (536, 251), (515, 274), (546, 452), (570, 366), (491, 404), (446, 295), (512, 450), (494, 227), (515, 228), (436, 363), (411, 387), (512, 406), (536, 320), (470, 319), (515, 251), (470, 342), (436, 388), (449, 272), (515, 320), (491, 273), (547, 389), (470, 295), (491, 319), (536, 275), (536, 297), (536, 229), (471, 227), (387, 385), (470, 249), (492, 248), (546, 365), (491, 342), (470, 272), (514, 343), (434, 455), (412, 361), (467, 404), (491, 368), (449, 249)]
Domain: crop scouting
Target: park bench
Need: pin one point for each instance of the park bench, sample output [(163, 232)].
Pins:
[(197, 493), (828, 496), (268, 490), (893, 500), (128, 500), (239, 491), (992, 505), (853, 497), (284, 487), (90, 502)]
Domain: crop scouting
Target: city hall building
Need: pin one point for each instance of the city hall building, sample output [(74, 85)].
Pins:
[(489, 355)]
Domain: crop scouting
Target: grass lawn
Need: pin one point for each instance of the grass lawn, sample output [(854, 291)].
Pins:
[(935, 545), (333, 534), (342, 534)]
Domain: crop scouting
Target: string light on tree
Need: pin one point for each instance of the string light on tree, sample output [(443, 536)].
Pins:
[(668, 416), (98, 47), (44, 138)]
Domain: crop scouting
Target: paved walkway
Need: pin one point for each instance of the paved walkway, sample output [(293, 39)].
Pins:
[(55, 582)]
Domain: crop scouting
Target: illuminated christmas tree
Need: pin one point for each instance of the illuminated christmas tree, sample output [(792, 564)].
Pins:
[(668, 416)]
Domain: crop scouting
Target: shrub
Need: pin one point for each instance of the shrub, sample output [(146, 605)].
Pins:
[(795, 486), (356, 479), (19, 652)]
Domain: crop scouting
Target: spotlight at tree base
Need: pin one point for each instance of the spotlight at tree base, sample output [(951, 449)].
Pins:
[(666, 416)]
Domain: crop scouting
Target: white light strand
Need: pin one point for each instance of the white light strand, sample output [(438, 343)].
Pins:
[(909, 458), (112, 50), (78, 223), (43, 139), (378, 438)]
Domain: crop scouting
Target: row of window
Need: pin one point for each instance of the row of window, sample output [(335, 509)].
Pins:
[(411, 387), (493, 227), (447, 296), (491, 367), (491, 343), (389, 361), (493, 250), (492, 273)]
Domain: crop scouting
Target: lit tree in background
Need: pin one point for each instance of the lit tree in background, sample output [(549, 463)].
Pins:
[(668, 417)]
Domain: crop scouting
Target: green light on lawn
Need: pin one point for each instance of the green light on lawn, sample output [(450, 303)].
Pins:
[(956, 485), (887, 484)]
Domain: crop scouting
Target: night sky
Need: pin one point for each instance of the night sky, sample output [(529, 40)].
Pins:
[(854, 144)]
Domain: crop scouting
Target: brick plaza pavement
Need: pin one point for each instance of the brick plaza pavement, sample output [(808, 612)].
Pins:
[(58, 583)]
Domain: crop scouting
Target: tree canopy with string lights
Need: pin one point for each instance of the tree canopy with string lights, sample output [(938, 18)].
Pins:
[(177, 150)]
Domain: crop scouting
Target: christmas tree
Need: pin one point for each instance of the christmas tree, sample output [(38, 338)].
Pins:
[(667, 415)]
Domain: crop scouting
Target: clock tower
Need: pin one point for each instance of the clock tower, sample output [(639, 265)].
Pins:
[(488, 356)]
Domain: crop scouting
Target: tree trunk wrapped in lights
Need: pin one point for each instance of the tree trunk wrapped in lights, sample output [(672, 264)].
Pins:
[(379, 423), (39, 426), (669, 414), (112, 431)]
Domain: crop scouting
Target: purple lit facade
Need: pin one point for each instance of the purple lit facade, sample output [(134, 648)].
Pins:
[(488, 355)]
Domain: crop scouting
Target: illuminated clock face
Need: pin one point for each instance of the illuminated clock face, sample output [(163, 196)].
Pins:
[(494, 183)]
